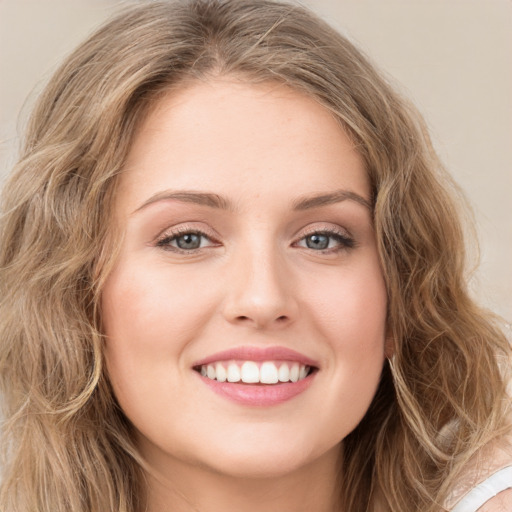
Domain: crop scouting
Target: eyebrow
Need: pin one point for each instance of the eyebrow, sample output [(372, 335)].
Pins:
[(318, 200), (201, 198), (216, 201)]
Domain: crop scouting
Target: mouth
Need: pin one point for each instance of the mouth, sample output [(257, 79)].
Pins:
[(255, 372), (257, 376)]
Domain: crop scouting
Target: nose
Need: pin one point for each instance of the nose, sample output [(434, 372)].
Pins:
[(260, 292)]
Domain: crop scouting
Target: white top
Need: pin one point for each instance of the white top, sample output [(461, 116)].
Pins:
[(484, 491)]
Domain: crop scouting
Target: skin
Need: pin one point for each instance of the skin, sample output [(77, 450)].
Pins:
[(500, 503), (254, 282)]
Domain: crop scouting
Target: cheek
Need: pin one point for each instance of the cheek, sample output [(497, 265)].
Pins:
[(149, 317), (351, 308), (146, 307), (350, 313), (147, 323)]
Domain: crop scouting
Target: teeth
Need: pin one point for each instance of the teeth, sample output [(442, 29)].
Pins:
[(268, 373), (284, 373), (220, 373), (250, 372), (233, 372), (294, 372)]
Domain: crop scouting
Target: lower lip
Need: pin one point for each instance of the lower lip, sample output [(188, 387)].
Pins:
[(259, 395)]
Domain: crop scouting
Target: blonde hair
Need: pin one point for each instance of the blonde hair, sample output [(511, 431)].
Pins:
[(66, 443)]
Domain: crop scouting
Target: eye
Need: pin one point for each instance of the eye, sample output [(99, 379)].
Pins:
[(185, 241), (318, 241), (327, 241), (188, 241)]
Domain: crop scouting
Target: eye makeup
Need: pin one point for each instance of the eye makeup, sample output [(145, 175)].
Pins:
[(190, 240), (326, 240), (185, 240)]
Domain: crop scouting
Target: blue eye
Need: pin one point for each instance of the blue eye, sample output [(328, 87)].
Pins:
[(326, 241), (186, 241), (317, 241)]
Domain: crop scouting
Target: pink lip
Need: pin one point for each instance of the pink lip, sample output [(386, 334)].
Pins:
[(262, 395), (259, 395), (258, 354)]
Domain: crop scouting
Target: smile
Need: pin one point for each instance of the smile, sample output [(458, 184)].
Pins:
[(255, 376), (253, 372)]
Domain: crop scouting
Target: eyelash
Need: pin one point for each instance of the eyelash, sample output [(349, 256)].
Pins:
[(165, 241), (344, 242)]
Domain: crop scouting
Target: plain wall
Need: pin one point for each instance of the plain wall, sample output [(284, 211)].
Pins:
[(451, 57)]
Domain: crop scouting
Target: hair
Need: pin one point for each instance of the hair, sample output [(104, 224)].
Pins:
[(66, 443)]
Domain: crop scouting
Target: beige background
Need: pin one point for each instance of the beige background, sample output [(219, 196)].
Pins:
[(452, 57)]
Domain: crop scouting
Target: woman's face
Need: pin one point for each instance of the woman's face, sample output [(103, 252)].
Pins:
[(248, 254)]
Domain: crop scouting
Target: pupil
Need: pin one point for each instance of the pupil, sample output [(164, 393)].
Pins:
[(188, 241), (317, 241)]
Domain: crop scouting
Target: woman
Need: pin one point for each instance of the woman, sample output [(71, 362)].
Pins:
[(232, 278)]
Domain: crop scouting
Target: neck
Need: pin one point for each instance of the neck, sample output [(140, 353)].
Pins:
[(196, 489)]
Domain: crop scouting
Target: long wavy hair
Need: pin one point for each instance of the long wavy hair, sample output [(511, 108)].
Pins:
[(66, 444)]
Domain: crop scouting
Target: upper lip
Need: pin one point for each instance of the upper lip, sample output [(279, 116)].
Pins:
[(249, 353)]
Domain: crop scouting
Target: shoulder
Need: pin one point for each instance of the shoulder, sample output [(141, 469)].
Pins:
[(502, 502), (486, 482), (494, 494)]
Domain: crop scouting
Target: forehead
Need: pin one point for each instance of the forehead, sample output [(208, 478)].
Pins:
[(229, 136)]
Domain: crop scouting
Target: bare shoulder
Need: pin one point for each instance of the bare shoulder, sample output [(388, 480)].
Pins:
[(487, 473), (502, 502)]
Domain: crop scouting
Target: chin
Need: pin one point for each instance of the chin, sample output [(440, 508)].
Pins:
[(266, 460)]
